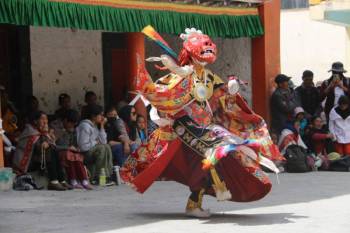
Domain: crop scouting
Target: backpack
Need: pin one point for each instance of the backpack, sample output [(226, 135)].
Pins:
[(25, 182), (340, 165), (297, 159)]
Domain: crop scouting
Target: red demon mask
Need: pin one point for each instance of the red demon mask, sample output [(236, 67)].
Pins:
[(197, 47)]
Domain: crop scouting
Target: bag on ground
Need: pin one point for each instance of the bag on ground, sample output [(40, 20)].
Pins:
[(340, 165), (297, 159)]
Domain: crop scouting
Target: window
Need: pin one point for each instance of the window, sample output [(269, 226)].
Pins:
[(293, 4)]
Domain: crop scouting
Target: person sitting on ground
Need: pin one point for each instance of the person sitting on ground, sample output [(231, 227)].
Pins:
[(70, 155), (283, 103), (299, 115), (9, 126), (64, 102), (92, 142), (90, 99), (127, 127), (290, 136), (9, 116), (308, 96), (339, 126), (141, 132), (320, 140), (36, 150), (120, 144), (335, 87)]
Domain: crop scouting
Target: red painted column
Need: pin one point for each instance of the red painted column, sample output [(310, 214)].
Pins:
[(135, 46), (266, 58)]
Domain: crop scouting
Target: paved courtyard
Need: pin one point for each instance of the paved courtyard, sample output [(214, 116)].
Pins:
[(317, 202)]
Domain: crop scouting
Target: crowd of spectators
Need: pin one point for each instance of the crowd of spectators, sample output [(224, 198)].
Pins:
[(73, 149), (315, 118)]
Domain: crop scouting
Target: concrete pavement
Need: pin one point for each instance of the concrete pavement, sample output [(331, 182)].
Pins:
[(317, 202)]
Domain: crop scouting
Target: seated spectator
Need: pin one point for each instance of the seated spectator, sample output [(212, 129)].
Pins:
[(290, 136), (335, 87), (299, 115), (121, 104), (283, 103), (294, 149), (65, 106), (92, 142), (339, 125), (319, 138), (308, 96), (9, 114), (9, 125), (64, 101), (141, 132), (36, 151), (70, 155), (120, 145), (127, 127), (90, 99)]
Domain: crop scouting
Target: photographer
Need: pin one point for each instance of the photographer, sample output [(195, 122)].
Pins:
[(335, 87)]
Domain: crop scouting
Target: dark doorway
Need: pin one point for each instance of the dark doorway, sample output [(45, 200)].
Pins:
[(15, 65), (115, 67)]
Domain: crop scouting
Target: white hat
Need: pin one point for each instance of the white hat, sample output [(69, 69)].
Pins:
[(298, 110)]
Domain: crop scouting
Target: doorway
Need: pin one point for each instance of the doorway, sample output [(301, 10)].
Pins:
[(115, 67), (15, 71)]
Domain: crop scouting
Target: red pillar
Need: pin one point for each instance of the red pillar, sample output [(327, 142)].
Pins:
[(266, 58), (135, 46)]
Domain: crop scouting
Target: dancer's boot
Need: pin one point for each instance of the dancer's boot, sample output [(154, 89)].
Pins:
[(194, 206)]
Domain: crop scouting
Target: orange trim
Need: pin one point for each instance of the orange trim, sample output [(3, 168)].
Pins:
[(181, 8)]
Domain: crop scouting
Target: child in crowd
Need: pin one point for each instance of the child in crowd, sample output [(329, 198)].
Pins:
[(339, 125), (127, 126), (70, 156), (141, 128), (319, 139), (299, 115), (92, 141)]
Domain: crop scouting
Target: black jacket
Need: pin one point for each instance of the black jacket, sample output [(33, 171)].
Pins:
[(309, 99)]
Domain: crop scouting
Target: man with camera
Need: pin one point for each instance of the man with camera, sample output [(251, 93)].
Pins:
[(335, 87)]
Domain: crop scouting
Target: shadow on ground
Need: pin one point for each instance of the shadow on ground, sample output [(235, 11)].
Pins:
[(236, 219)]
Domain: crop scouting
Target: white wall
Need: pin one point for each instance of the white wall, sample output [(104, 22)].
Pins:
[(65, 61), (309, 44), (71, 61), (234, 57)]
